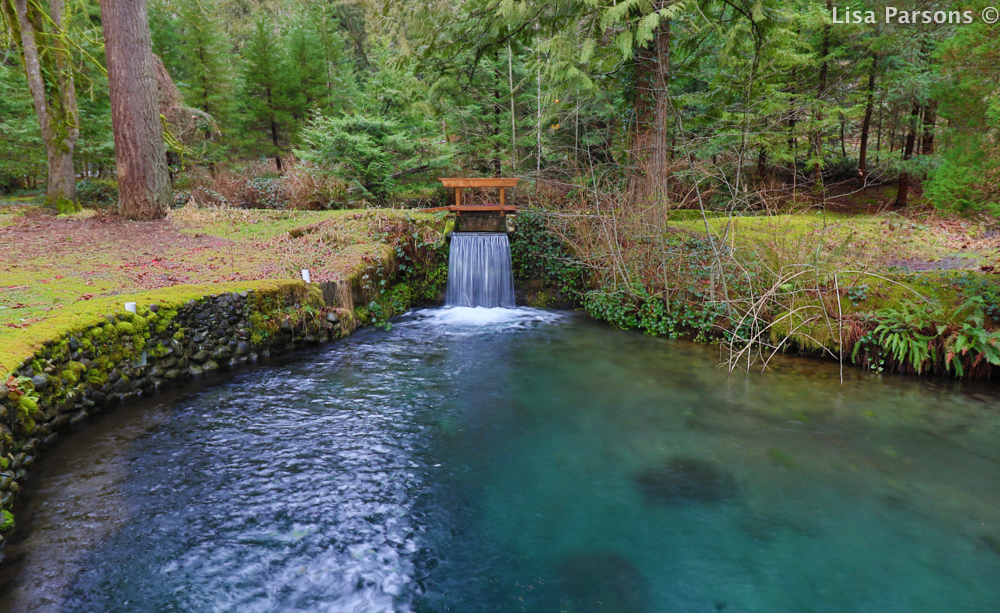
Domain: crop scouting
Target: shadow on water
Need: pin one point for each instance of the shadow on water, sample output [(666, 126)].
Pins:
[(684, 480), (481, 460)]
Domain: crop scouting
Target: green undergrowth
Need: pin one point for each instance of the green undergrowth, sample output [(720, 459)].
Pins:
[(811, 283), (539, 255)]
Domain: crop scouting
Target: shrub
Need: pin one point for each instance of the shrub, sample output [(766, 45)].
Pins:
[(97, 192)]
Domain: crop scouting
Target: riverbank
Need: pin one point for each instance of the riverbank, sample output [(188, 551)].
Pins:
[(913, 291), (219, 292)]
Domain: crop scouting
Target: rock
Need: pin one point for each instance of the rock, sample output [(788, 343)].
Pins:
[(157, 371), (40, 382), (603, 581), (210, 366), (121, 385), (685, 480), (198, 338), (60, 422), (242, 348), (100, 398), (201, 357), (49, 440), (6, 500), (30, 445), (5, 480), (114, 376), (196, 371), (222, 354), (172, 375), (332, 318), (78, 417), (29, 461), (154, 308), (17, 461)]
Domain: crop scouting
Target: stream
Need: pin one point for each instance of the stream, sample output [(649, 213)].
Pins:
[(485, 460)]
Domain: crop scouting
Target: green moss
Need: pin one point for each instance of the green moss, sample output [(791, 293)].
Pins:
[(96, 378), (26, 407), (6, 520), (125, 329), (64, 205), (71, 374)]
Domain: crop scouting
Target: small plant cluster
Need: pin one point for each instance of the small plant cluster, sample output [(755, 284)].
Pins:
[(652, 314), (975, 285), (917, 338), (857, 294)]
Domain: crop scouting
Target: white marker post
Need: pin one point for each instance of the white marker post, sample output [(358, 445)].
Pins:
[(141, 360), (306, 276)]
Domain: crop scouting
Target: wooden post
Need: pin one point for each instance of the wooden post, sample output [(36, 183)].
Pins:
[(458, 196), (501, 196)]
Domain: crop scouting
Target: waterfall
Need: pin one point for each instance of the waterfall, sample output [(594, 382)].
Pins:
[(479, 271)]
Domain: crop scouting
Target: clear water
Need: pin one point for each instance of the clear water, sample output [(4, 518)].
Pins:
[(479, 271), (483, 460)]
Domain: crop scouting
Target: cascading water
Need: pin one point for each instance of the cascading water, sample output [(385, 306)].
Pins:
[(479, 271)]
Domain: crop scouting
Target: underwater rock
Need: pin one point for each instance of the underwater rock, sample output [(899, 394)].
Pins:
[(684, 480), (604, 582)]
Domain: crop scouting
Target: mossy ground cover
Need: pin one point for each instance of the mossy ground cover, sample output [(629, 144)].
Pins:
[(58, 272)]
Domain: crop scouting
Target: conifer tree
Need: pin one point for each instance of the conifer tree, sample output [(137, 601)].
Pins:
[(206, 80), (267, 123), (305, 71)]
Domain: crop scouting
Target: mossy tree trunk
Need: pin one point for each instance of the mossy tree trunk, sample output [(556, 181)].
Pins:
[(49, 70), (140, 154)]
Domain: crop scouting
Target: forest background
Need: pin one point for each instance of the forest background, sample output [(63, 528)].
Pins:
[(619, 115)]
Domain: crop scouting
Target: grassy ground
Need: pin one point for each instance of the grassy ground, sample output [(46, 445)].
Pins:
[(54, 269)]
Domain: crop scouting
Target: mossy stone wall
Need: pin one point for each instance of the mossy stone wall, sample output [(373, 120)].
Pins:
[(126, 355)]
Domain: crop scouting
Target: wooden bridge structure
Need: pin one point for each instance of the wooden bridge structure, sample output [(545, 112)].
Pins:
[(491, 217)]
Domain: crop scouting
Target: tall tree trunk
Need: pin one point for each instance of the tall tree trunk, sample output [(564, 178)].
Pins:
[(903, 190), (652, 106), (140, 154), (49, 72), (881, 116), (867, 123), (930, 118), (274, 133)]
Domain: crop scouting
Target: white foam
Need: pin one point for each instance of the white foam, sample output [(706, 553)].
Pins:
[(471, 318)]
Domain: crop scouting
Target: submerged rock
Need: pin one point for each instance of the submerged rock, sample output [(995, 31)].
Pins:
[(684, 480), (604, 582)]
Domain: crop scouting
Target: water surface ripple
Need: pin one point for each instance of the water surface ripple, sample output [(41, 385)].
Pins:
[(482, 460)]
